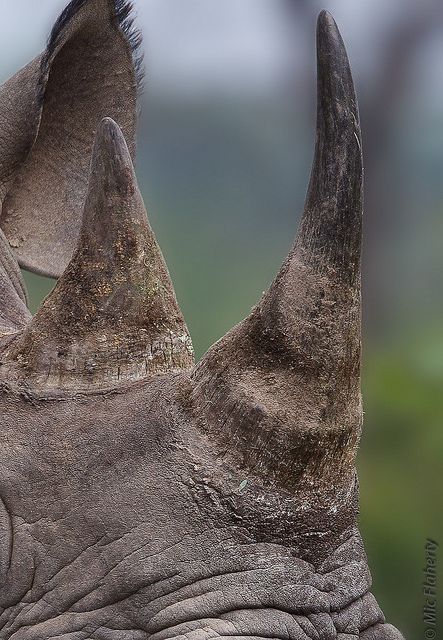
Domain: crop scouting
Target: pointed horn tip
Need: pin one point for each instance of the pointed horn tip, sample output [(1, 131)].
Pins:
[(329, 39), (325, 19), (326, 25), (110, 136), (108, 123), (111, 159), (334, 70)]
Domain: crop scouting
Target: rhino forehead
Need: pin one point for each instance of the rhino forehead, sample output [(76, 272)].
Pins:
[(140, 453)]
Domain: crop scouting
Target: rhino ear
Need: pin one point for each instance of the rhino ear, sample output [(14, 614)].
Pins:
[(281, 391), (52, 108), (113, 316)]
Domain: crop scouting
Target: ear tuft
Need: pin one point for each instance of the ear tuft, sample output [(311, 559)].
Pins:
[(123, 11)]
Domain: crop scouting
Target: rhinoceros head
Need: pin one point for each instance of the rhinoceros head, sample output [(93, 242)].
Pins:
[(142, 496)]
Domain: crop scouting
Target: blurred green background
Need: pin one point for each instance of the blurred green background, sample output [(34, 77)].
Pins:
[(226, 140)]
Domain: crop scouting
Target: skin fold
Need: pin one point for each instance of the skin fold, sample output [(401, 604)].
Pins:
[(143, 497)]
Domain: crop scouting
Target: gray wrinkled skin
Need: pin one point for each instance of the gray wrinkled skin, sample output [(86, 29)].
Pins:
[(114, 525), (143, 497)]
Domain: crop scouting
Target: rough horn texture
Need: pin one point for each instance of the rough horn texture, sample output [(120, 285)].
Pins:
[(50, 111), (285, 384), (137, 512), (113, 315)]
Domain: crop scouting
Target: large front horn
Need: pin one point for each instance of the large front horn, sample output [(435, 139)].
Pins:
[(113, 316), (281, 391)]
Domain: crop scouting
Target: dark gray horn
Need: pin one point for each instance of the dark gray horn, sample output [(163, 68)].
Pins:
[(284, 385)]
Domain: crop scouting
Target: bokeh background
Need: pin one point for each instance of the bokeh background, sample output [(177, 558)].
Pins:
[(225, 147)]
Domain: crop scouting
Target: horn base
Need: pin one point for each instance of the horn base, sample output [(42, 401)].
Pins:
[(106, 362), (280, 393)]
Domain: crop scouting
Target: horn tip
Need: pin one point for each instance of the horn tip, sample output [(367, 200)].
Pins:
[(325, 22), (108, 123), (325, 17), (109, 134), (112, 159), (329, 39), (334, 71)]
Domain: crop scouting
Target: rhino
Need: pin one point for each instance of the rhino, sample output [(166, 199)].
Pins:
[(143, 496)]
